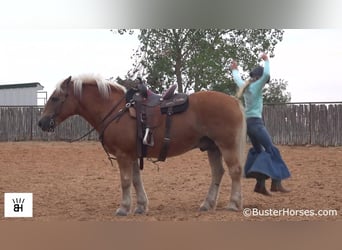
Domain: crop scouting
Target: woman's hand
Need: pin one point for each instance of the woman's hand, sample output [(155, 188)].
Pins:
[(263, 56), (233, 65)]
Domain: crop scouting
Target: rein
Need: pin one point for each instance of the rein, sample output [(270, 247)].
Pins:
[(105, 124), (116, 117), (101, 122)]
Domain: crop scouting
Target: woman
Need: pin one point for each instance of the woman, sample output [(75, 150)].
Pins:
[(264, 160)]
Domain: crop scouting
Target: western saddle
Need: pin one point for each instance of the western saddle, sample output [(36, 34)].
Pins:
[(149, 109)]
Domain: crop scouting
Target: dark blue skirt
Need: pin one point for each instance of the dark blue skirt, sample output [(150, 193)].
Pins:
[(266, 165)]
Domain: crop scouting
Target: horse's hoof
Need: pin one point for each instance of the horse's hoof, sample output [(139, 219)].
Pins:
[(139, 211), (120, 212), (232, 206), (204, 208)]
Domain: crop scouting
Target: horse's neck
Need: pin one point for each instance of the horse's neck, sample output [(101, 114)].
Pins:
[(94, 108)]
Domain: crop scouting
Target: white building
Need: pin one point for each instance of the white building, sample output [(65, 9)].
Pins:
[(20, 94)]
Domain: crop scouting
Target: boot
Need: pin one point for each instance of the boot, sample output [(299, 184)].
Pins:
[(261, 188), (276, 186)]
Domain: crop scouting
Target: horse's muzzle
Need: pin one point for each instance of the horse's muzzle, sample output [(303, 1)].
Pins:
[(47, 123)]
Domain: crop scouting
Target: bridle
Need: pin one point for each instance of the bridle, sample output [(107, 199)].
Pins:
[(104, 123), (52, 119)]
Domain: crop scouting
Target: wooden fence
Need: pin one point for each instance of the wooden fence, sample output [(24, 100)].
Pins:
[(305, 123), (289, 124), (20, 124)]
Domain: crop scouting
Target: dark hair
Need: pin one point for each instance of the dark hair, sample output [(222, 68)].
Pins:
[(257, 72)]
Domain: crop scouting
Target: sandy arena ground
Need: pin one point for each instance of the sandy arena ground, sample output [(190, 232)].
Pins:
[(75, 182)]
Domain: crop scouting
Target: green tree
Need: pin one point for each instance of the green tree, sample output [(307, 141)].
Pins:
[(198, 59), (275, 92)]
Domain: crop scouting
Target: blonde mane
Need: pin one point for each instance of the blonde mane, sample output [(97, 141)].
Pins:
[(103, 85)]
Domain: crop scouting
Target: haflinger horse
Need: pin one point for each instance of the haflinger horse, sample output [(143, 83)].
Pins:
[(213, 122)]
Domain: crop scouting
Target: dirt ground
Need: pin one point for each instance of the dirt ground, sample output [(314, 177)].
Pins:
[(75, 182)]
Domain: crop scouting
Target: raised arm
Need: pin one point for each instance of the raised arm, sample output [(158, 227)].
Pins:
[(236, 74), (266, 74)]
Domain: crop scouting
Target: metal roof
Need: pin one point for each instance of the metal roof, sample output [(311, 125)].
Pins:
[(21, 85)]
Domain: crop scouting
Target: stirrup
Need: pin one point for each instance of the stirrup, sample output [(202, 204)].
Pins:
[(148, 138)]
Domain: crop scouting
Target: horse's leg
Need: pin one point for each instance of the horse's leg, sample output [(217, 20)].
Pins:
[(126, 168), (142, 200), (217, 171), (233, 162)]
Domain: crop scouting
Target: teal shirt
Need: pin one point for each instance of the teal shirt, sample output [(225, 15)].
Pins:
[(253, 94)]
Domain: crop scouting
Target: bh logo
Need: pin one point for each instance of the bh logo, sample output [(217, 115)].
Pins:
[(18, 204)]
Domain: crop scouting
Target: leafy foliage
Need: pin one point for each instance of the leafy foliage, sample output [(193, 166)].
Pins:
[(275, 92), (198, 59)]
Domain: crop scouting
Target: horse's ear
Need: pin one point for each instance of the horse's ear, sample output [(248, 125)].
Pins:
[(66, 82)]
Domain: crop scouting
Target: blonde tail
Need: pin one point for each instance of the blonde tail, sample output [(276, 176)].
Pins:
[(243, 88), (243, 138)]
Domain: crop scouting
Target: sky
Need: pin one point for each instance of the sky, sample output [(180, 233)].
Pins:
[(308, 59), (49, 56)]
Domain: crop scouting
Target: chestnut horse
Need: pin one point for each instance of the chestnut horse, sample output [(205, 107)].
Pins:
[(213, 122)]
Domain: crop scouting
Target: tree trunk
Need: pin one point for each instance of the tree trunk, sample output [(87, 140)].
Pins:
[(178, 71)]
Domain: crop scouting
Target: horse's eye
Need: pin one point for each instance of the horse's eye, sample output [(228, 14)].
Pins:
[(54, 99)]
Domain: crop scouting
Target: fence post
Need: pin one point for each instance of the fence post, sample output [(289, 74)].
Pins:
[(310, 122), (31, 122)]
